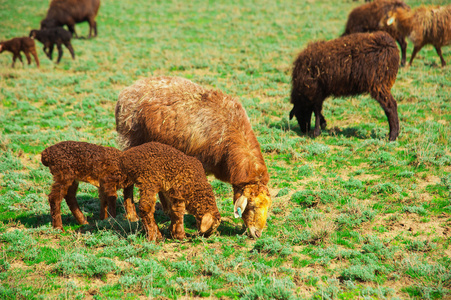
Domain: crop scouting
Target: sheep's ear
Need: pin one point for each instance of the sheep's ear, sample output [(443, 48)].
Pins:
[(206, 223), (240, 206), (390, 21)]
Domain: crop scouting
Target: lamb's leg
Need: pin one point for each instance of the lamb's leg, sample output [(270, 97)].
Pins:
[(14, 59), (108, 197), (147, 209), (71, 201), (27, 54), (60, 52), (414, 53), (35, 55), (129, 206), (92, 27), (58, 191), (165, 203), (71, 28), (439, 52), (390, 107), (176, 213), (403, 44), (71, 50), (50, 54)]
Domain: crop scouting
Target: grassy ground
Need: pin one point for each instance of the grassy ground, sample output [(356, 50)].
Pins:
[(353, 215)]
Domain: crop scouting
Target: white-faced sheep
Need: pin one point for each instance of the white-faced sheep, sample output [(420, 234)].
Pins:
[(71, 162), (206, 124), (181, 183), (424, 25), (24, 44), (50, 37), (369, 18), (70, 12), (354, 64)]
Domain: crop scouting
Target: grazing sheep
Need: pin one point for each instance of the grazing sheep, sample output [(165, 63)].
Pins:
[(367, 18), (24, 44), (181, 183), (71, 162), (70, 12), (52, 36), (424, 25), (206, 124), (354, 64)]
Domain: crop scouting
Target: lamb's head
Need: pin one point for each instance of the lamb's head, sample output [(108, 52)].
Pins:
[(208, 223), (251, 203)]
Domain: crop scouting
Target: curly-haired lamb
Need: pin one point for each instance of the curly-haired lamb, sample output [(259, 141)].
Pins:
[(354, 64), (24, 44), (50, 37), (181, 183), (71, 162), (70, 12), (206, 124), (424, 25), (369, 18)]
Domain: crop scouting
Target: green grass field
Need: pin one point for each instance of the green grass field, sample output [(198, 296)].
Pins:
[(353, 215)]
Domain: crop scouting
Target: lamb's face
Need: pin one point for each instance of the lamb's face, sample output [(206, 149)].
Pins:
[(253, 202), (208, 224)]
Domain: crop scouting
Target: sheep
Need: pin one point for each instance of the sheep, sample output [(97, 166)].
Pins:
[(367, 18), (52, 36), (354, 64), (70, 12), (24, 44), (71, 162), (206, 124), (181, 183), (424, 25)]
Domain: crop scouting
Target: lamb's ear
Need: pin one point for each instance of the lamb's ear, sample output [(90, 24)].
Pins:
[(390, 20), (240, 206), (206, 223)]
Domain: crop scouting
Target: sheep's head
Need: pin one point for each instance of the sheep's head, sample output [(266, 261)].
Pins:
[(32, 34), (208, 224), (251, 203)]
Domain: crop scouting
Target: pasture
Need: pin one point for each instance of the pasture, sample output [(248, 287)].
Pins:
[(353, 215)]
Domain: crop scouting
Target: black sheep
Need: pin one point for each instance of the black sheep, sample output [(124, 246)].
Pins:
[(52, 36), (351, 65)]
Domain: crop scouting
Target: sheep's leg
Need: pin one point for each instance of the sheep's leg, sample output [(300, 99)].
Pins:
[(164, 203), (403, 44), (72, 30), (176, 213), (50, 55), (108, 197), (318, 120), (129, 206), (390, 107), (92, 27), (14, 59), (71, 201), (304, 117), (27, 54), (147, 210), (414, 53), (60, 52), (71, 50), (35, 55), (439, 52), (58, 191)]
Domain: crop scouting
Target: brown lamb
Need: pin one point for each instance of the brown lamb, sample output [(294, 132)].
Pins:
[(354, 64), (424, 25), (206, 124), (70, 12), (24, 44), (369, 18), (181, 183), (71, 162)]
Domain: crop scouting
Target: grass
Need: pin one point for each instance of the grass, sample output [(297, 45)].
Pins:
[(353, 215)]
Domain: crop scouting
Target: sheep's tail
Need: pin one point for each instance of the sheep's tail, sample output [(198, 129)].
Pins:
[(45, 157)]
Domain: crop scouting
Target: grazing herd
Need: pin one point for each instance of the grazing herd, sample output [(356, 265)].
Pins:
[(174, 131)]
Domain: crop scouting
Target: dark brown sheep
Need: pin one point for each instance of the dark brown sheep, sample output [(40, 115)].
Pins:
[(71, 162), (206, 124), (52, 36), (424, 25), (181, 183), (369, 18), (354, 64), (70, 12), (24, 44)]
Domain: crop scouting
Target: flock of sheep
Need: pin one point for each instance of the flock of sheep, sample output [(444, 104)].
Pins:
[(174, 131)]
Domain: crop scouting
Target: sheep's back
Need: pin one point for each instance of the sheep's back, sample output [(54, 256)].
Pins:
[(432, 25)]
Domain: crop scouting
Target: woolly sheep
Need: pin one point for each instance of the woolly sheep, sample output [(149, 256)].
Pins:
[(181, 183), (24, 44), (206, 124), (71, 162), (354, 64), (52, 36), (424, 25)]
